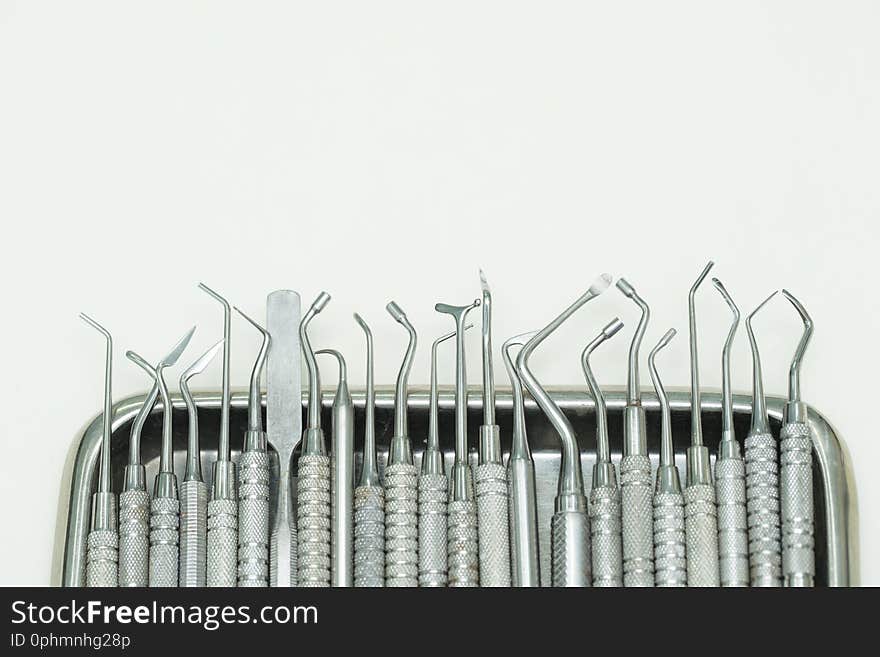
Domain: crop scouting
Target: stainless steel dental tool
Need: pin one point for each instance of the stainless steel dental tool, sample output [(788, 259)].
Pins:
[(223, 506), (570, 531), (369, 496), (700, 514), (341, 480), (134, 500), (433, 492), (254, 474), (796, 471), (283, 426), (524, 553), (313, 485), (762, 480), (401, 479), (635, 466), (193, 489), (605, 514), (730, 475), (670, 558), (462, 533), (491, 475), (103, 540), (165, 505)]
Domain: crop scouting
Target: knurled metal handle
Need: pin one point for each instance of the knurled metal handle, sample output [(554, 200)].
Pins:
[(313, 520), (463, 544), (222, 542), (134, 538), (193, 533), (490, 484), (433, 495), (636, 495), (701, 535), (570, 549), (762, 505), (253, 519), (102, 554), (607, 547), (796, 492), (369, 537), (164, 537), (401, 525), (733, 528), (670, 552)]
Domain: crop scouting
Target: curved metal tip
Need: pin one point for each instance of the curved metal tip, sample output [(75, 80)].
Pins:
[(760, 305), (624, 286), (601, 284), (319, 303), (794, 385), (727, 298), (396, 311), (343, 371), (202, 361), (214, 294), (665, 340), (252, 321), (484, 285), (520, 339), (361, 323), (612, 327), (449, 309), (176, 352), (808, 322), (701, 277), (138, 360), (95, 325)]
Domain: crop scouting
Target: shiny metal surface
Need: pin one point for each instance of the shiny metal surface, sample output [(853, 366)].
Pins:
[(525, 564), (796, 471), (284, 422), (461, 527), (762, 479), (254, 473), (730, 474), (341, 480), (833, 485)]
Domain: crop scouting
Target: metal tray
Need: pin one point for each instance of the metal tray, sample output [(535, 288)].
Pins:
[(833, 490)]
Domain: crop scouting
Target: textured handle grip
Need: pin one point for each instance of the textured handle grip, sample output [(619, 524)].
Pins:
[(164, 537), (433, 495), (193, 533), (222, 541), (670, 553), (102, 553), (134, 538), (253, 519), (570, 549), (762, 504), (733, 535), (701, 534), (401, 525), (637, 521), (463, 544), (607, 544), (796, 491), (490, 481), (369, 537), (313, 520)]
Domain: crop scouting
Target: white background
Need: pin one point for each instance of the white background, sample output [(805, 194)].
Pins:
[(388, 150)]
